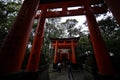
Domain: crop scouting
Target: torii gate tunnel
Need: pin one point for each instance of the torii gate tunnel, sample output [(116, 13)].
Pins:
[(13, 49), (64, 49)]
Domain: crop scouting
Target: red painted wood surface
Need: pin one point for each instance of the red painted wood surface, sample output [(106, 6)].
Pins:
[(102, 56), (13, 50), (34, 58)]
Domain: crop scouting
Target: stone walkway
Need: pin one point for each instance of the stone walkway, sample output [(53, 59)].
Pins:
[(54, 75)]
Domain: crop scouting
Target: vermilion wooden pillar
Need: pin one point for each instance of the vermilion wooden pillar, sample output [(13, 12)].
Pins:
[(13, 50), (73, 53), (101, 54), (56, 53), (114, 6), (34, 58)]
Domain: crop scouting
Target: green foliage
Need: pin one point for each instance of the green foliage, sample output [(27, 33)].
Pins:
[(109, 28), (70, 29), (84, 44), (111, 34), (8, 12)]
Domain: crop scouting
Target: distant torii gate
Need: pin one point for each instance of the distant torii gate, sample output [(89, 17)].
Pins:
[(64, 49), (13, 49)]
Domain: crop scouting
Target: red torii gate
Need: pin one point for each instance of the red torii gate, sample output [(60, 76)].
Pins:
[(64, 48), (13, 50)]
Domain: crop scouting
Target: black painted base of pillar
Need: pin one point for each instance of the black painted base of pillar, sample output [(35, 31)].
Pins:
[(30, 76), (54, 66), (42, 74), (107, 77), (21, 76)]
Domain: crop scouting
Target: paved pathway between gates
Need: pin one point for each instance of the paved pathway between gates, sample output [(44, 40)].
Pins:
[(78, 75)]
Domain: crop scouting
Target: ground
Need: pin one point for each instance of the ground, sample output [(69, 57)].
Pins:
[(63, 75)]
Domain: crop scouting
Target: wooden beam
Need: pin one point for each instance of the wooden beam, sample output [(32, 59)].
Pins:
[(68, 13), (69, 3), (64, 45), (60, 5), (75, 12)]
